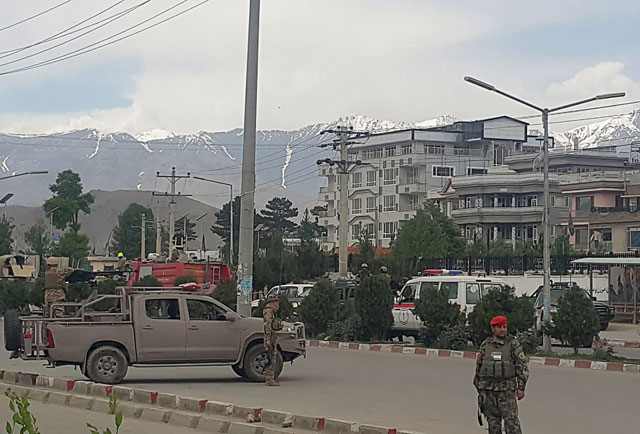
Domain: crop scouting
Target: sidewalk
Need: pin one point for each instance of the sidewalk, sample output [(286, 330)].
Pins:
[(622, 332), (57, 419)]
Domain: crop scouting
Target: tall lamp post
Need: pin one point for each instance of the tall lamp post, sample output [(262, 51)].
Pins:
[(230, 212), (545, 214)]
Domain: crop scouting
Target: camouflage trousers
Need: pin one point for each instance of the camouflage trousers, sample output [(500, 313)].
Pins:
[(272, 353), (52, 296), (498, 406)]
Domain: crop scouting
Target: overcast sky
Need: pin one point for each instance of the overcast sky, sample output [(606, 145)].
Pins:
[(400, 60)]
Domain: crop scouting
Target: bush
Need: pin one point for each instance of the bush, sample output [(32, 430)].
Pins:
[(185, 278), (148, 281), (454, 337), (320, 308), (226, 293), (345, 330), (285, 311), (374, 305), (16, 295), (576, 321), (519, 312), (436, 313), (529, 341)]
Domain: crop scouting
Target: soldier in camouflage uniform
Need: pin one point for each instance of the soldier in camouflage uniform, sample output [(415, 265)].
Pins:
[(271, 327), (501, 377), (54, 287)]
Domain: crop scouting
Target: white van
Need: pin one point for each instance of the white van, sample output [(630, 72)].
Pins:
[(465, 291)]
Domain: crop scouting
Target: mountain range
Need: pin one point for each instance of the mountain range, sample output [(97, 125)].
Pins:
[(285, 160)]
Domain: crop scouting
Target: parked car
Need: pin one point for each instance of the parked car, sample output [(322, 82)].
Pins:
[(150, 326), (604, 311), (295, 292), (465, 291)]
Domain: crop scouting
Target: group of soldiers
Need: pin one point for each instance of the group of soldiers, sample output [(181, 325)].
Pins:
[(364, 272)]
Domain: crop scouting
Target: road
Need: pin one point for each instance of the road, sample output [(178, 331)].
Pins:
[(420, 393)]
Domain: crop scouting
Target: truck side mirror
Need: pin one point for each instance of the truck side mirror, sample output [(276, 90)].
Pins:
[(230, 316)]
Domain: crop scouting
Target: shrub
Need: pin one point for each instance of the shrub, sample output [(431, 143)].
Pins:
[(285, 311), (345, 330), (576, 321), (519, 312), (436, 313), (529, 341), (148, 281), (226, 293), (185, 278), (454, 337), (374, 305), (17, 295), (320, 308)]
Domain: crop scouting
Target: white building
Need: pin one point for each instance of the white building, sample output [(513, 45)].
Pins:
[(401, 170)]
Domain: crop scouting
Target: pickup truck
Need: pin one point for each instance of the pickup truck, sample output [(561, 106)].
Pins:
[(150, 326)]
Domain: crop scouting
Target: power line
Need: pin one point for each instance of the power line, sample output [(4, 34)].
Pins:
[(114, 18), (95, 46), (35, 16), (62, 33), (584, 109)]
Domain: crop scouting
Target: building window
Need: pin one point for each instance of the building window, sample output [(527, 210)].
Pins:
[(389, 229), (371, 178), (407, 149), (353, 156), (370, 229), (476, 171), (414, 202), (584, 203), (526, 201), (356, 206), (389, 177), (553, 200), (472, 202), (372, 153), (634, 238), (442, 171), (434, 149), (390, 151), (582, 238), (413, 175), (356, 230), (324, 171), (371, 204), (356, 180), (460, 151), (389, 203)]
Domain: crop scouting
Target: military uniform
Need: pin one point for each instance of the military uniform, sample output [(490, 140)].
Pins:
[(501, 369), (271, 327), (54, 287)]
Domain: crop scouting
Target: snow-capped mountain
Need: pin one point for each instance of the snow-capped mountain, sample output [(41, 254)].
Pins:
[(614, 131)]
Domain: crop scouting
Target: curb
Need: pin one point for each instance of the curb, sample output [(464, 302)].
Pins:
[(622, 343), (184, 412), (433, 352)]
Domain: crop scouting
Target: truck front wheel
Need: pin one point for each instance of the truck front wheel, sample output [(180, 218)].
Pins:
[(106, 364), (255, 361)]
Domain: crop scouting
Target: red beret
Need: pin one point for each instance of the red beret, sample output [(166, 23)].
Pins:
[(499, 321)]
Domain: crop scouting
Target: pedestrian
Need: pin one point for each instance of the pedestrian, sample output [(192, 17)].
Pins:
[(364, 272), (122, 261), (271, 327), (54, 287), (500, 378)]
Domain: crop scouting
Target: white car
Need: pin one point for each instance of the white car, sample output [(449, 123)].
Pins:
[(295, 292)]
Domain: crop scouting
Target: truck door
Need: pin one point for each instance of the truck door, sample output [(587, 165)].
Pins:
[(160, 329), (210, 336)]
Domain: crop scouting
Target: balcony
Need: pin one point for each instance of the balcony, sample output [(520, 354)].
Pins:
[(412, 188), (497, 215), (326, 214)]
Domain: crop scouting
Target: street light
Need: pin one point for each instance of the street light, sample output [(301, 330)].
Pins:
[(15, 175), (50, 214), (545, 214), (197, 220), (230, 213), (4, 201), (184, 231)]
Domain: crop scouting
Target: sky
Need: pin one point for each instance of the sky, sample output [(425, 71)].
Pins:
[(401, 60)]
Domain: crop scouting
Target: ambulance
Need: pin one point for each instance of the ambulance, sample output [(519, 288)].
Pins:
[(465, 291)]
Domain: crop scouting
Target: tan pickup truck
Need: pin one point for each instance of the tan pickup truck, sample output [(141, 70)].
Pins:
[(149, 326)]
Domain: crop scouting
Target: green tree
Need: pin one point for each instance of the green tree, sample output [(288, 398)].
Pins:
[(37, 240), (68, 201), (430, 235), (501, 301), (366, 252), (436, 313), (148, 282), (309, 259), (277, 217), (73, 245), (226, 293), (320, 308), (374, 304), (6, 236), (127, 235), (576, 321), (222, 225)]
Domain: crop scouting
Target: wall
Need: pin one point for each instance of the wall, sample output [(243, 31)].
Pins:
[(528, 283)]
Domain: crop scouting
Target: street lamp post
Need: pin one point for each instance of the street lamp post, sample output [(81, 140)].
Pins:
[(545, 214), (230, 213), (197, 220), (50, 213)]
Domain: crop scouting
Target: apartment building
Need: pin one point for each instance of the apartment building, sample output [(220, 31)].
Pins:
[(401, 170)]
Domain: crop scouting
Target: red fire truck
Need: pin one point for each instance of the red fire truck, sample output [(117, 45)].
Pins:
[(210, 272)]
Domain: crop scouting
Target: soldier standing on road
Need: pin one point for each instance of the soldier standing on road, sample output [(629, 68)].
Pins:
[(501, 377), (271, 327), (54, 287), (363, 273)]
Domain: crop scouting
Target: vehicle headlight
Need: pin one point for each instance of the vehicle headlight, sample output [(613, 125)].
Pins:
[(288, 329), (294, 305)]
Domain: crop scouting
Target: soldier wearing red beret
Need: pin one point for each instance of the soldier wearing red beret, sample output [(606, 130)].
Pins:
[(501, 377)]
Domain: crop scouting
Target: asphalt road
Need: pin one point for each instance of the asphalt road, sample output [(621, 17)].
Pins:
[(432, 395)]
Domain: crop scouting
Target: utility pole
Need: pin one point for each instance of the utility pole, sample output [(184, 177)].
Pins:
[(342, 142), (247, 199), (158, 230), (173, 180), (231, 232), (143, 238)]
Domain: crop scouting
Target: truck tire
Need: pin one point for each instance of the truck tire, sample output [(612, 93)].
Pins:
[(107, 364), (254, 360), (604, 325), (239, 371), (12, 330)]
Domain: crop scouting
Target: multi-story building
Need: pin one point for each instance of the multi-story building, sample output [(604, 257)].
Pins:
[(605, 210), (400, 170)]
